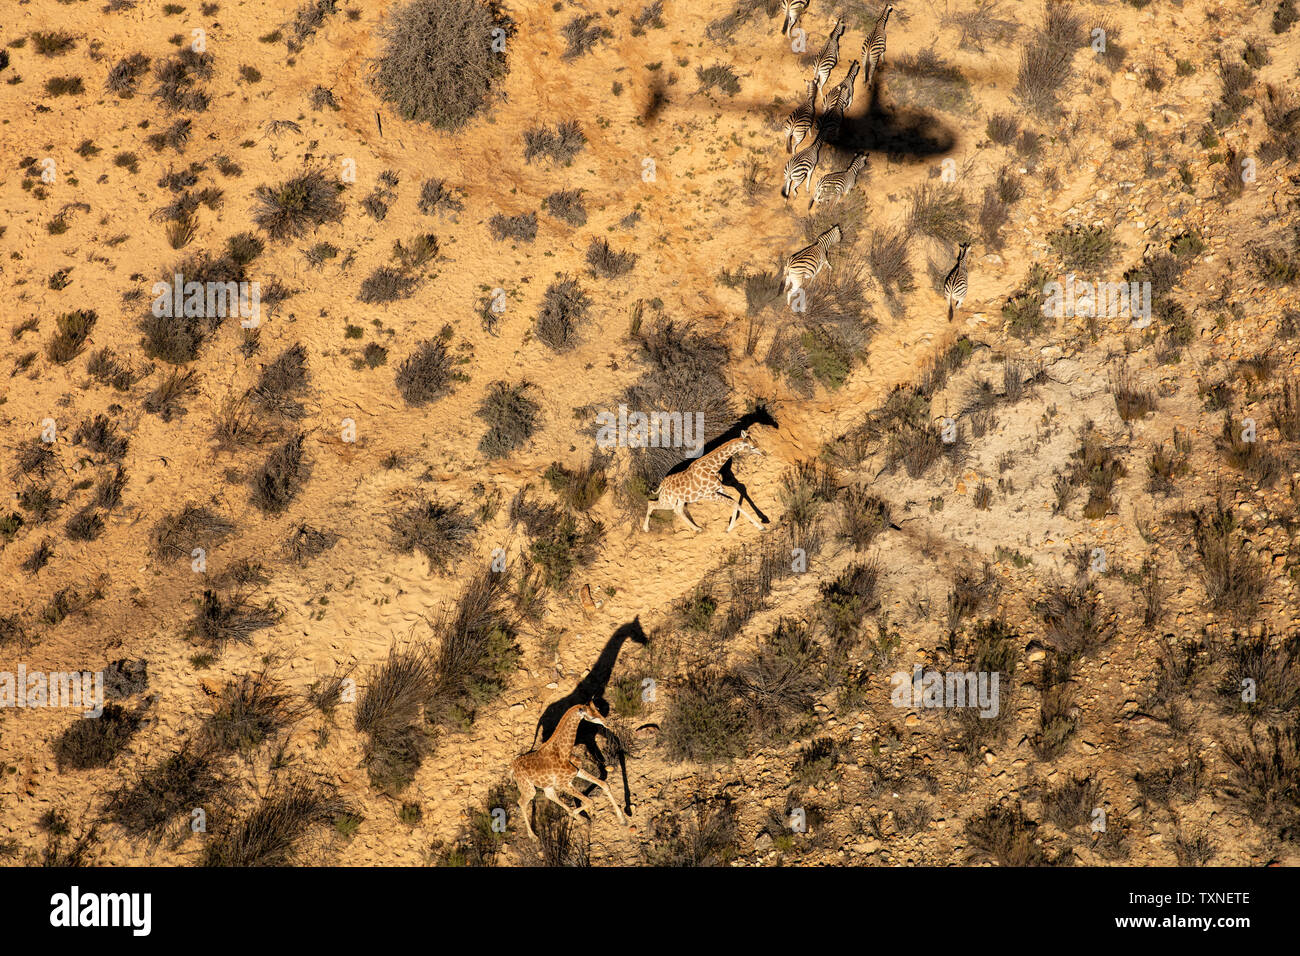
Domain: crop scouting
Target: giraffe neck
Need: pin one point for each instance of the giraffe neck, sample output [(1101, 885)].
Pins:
[(566, 731), (715, 459)]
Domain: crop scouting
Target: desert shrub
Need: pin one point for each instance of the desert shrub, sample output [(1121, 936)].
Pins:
[(864, 516), (125, 74), (1272, 667), (580, 488), (281, 379), (435, 197), (166, 790), (439, 531), (1007, 835), (220, 621), (927, 78), (707, 836), (271, 833), (512, 418), (718, 76), (440, 63), (580, 35), (250, 710), (164, 399), (559, 143), (72, 330), (178, 80), (522, 227), (846, 600), (1003, 128), (1131, 400), (1265, 779), (606, 262), (1233, 575), (91, 743), (100, 435), (426, 374), (1047, 56), (389, 712), (1075, 621), (278, 479), (476, 650), (566, 205), (298, 205), (562, 545), (306, 542), (564, 306), (704, 722), (779, 684), (1071, 804), (890, 261), (1083, 248)]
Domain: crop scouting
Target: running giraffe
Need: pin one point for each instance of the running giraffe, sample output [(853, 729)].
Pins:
[(551, 767), (800, 123), (791, 11), (702, 481), (954, 287), (800, 168), (835, 186), (803, 266), (873, 48), (830, 55)]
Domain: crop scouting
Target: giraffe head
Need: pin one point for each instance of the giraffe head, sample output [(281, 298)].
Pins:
[(589, 712), (747, 443)]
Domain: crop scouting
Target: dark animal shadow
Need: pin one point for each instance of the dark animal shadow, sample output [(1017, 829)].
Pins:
[(893, 130), (592, 689)]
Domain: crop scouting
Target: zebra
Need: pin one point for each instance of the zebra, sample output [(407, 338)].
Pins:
[(830, 55), (800, 123), (954, 287), (843, 91), (873, 48), (835, 186), (802, 267), (800, 168), (791, 11)]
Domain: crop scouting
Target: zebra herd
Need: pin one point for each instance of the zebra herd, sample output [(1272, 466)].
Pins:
[(803, 266)]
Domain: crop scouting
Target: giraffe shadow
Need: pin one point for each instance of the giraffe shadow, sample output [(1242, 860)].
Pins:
[(759, 416), (592, 689)]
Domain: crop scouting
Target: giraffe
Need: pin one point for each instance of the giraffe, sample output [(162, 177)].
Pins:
[(551, 767), (702, 482)]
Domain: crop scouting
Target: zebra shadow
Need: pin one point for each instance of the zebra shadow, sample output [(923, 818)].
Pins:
[(592, 689)]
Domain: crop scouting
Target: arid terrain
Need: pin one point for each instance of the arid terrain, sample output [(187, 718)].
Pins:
[(336, 556)]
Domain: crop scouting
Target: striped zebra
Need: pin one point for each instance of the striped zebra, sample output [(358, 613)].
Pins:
[(873, 48), (800, 123), (803, 266), (791, 11), (954, 287), (830, 55), (800, 168), (835, 186), (842, 94)]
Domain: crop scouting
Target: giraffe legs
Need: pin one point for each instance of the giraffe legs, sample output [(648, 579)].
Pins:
[(550, 793), (618, 811), (680, 511), (526, 807)]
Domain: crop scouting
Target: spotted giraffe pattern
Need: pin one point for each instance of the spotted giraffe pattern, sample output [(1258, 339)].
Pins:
[(702, 481), (551, 768)]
